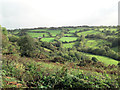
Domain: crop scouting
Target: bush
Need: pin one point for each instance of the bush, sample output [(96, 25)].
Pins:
[(58, 59), (27, 46), (13, 38), (4, 31), (94, 59)]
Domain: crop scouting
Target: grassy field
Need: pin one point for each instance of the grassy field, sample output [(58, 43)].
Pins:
[(95, 43), (48, 39), (16, 32), (68, 34), (91, 43), (88, 32), (54, 32), (68, 45), (68, 39), (105, 60), (38, 34), (101, 29), (88, 43), (111, 29), (74, 30), (39, 30), (69, 28)]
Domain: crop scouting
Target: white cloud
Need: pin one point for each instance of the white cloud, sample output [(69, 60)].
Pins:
[(36, 13)]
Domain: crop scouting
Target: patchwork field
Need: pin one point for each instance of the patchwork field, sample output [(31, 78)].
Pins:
[(38, 34), (61, 58), (95, 43), (68, 39), (47, 39), (104, 59), (68, 35), (74, 30), (39, 30), (54, 32), (110, 29), (16, 32), (68, 45), (88, 32), (91, 43)]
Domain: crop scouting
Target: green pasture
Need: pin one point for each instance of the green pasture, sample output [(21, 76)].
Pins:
[(111, 29), (69, 28), (101, 29), (54, 32), (15, 32), (68, 34), (91, 43), (47, 39), (39, 30), (74, 30), (95, 43), (68, 45), (38, 34), (105, 60), (88, 32), (47, 49), (68, 39)]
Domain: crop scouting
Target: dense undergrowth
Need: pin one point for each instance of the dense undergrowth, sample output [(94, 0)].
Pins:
[(29, 73)]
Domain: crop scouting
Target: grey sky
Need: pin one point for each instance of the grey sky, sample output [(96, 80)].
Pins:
[(47, 13)]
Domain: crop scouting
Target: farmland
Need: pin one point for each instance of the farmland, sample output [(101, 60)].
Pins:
[(95, 43), (74, 30), (39, 30), (68, 34), (104, 59), (68, 45), (61, 57), (37, 34), (68, 39), (88, 32), (54, 32), (47, 39)]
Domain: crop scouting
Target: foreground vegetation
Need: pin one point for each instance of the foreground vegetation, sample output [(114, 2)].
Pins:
[(59, 58)]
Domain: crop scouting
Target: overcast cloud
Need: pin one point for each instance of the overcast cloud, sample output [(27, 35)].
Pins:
[(47, 13)]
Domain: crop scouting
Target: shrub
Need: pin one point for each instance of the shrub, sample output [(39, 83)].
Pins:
[(27, 46), (4, 31), (13, 38), (58, 59), (94, 59)]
